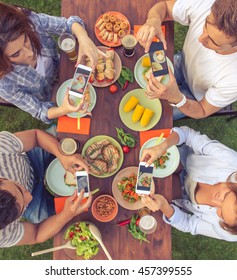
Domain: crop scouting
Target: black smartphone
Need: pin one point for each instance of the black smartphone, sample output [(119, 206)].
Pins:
[(158, 60)]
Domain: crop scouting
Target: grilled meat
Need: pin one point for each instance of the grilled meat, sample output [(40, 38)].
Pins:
[(98, 167), (111, 155), (95, 149)]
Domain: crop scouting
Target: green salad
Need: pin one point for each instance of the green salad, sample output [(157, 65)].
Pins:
[(80, 236)]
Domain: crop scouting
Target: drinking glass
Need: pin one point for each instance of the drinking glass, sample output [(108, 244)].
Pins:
[(68, 146), (147, 224), (67, 43), (129, 42)]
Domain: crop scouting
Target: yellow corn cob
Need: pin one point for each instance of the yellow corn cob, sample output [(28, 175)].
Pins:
[(137, 113), (146, 117), (131, 104)]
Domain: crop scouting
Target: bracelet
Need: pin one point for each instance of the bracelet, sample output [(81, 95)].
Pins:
[(181, 103)]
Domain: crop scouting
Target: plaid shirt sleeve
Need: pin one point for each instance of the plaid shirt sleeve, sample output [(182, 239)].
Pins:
[(28, 103), (57, 25)]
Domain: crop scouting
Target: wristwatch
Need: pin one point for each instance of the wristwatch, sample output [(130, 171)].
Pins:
[(181, 103)]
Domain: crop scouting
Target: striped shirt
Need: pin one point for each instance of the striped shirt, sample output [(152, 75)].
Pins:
[(24, 86), (15, 166)]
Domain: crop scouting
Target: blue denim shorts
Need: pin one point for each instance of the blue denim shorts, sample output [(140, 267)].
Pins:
[(183, 86), (42, 205)]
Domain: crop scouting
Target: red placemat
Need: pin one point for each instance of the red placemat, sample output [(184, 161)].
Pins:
[(137, 27), (67, 124), (60, 201), (146, 135)]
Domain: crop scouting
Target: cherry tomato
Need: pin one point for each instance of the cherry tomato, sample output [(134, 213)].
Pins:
[(113, 88), (137, 222), (126, 149)]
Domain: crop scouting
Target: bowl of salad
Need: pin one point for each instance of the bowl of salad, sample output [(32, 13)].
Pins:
[(86, 246)]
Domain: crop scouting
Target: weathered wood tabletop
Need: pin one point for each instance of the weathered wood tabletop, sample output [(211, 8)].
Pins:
[(118, 240)]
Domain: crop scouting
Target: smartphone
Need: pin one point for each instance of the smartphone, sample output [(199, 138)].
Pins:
[(158, 60), (144, 178), (80, 80), (82, 179)]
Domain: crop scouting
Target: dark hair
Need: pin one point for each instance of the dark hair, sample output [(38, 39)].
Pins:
[(225, 16), (14, 22), (9, 208)]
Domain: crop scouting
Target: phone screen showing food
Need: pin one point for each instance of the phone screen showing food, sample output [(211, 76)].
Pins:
[(144, 178), (82, 183), (80, 80), (158, 59)]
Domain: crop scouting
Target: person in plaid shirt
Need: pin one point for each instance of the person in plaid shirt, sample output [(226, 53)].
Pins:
[(29, 60)]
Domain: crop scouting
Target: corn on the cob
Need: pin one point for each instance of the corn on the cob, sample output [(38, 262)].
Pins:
[(146, 117), (137, 113), (131, 104)]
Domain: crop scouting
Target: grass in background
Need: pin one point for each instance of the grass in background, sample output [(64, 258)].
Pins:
[(184, 245)]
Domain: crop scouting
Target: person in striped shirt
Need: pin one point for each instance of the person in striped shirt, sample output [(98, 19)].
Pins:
[(24, 158)]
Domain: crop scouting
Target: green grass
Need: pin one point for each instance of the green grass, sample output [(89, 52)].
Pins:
[(184, 246)]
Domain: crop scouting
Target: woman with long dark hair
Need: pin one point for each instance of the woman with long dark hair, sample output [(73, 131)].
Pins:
[(29, 59)]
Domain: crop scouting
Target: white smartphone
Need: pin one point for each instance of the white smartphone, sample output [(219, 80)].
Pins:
[(144, 178), (83, 182), (80, 80)]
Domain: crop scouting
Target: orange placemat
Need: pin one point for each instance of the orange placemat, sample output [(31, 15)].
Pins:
[(137, 27), (146, 135), (67, 124), (60, 201)]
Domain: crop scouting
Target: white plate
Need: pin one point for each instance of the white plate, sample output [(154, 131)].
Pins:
[(55, 179), (171, 164), (139, 69), (61, 93)]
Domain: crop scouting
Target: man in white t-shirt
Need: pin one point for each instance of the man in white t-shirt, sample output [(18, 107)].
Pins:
[(205, 73)]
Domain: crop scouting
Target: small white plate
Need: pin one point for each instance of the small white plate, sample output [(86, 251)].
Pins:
[(171, 164), (55, 179), (139, 69), (61, 93)]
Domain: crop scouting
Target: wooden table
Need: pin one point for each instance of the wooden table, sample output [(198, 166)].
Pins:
[(118, 240)]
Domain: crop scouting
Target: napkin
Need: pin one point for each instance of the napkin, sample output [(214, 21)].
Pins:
[(67, 124), (146, 135), (137, 27), (60, 201)]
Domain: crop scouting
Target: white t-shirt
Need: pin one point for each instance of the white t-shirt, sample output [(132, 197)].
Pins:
[(207, 73)]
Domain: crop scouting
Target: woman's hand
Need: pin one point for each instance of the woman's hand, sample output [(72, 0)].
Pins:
[(157, 202), (148, 31), (74, 163), (69, 106), (154, 202), (73, 205), (149, 155), (89, 49)]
